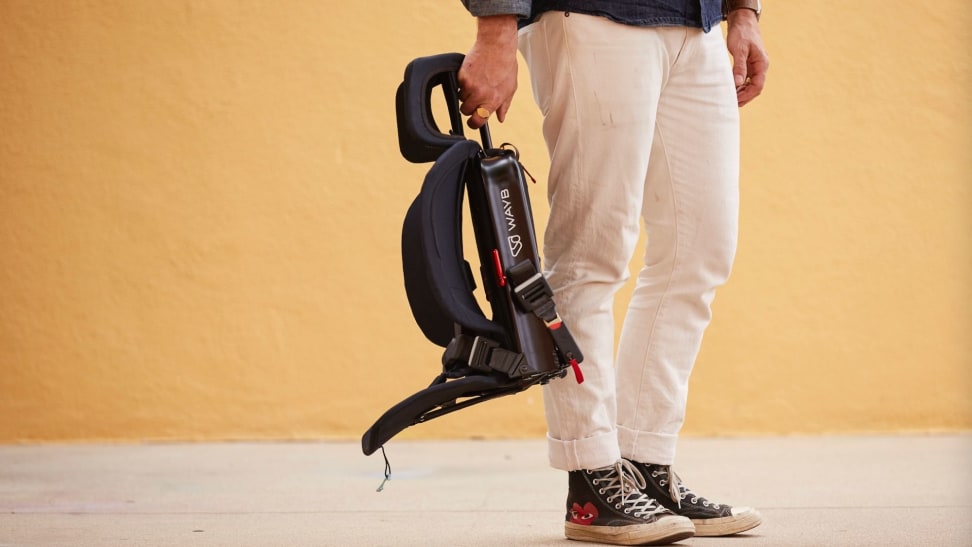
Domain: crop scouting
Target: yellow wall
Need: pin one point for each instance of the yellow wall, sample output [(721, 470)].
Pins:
[(200, 208)]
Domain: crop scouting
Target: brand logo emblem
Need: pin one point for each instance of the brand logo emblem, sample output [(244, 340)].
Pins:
[(516, 244)]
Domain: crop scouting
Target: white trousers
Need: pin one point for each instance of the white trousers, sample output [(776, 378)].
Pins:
[(640, 123)]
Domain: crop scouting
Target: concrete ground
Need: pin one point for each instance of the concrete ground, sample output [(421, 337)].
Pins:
[(900, 490)]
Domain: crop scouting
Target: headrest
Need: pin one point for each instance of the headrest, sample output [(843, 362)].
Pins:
[(419, 137)]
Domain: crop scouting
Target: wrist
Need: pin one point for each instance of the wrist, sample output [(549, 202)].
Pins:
[(732, 9), (742, 16), (496, 28)]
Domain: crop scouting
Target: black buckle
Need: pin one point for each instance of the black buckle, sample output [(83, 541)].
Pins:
[(533, 292), (482, 354), (480, 351)]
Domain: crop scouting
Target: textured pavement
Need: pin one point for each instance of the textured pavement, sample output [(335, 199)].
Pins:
[(862, 490)]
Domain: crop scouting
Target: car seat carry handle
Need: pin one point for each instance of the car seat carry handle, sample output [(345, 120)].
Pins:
[(419, 137)]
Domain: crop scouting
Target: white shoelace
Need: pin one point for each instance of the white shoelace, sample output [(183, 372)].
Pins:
[(626, 482), (679, 491)]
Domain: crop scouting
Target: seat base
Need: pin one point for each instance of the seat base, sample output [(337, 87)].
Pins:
[(443, 397)]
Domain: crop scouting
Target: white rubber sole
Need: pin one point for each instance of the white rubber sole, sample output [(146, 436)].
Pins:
[(742, 519), (661, 532)]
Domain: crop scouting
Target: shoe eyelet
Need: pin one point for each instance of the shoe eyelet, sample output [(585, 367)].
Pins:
[(662, 482), (601, 491), (627, 511), (617, 506)]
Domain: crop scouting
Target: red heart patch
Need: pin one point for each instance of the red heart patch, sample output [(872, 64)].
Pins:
[(583, 515)]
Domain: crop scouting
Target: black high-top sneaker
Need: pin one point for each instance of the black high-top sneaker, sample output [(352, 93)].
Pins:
[(607, 506), (710, 519)]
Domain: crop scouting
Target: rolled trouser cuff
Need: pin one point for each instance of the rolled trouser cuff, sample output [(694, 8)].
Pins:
[(647, 447), (590, 453)]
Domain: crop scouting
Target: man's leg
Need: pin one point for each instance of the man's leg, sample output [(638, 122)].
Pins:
[(690, 213), (691, 203), (597, 84)]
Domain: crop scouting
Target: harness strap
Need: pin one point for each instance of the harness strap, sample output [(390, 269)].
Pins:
[(533, 292), (483, 354)]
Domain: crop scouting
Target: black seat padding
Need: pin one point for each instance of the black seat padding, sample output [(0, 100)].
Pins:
[(437, 279)]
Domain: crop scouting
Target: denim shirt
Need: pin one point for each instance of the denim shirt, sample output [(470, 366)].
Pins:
[(703, 14)]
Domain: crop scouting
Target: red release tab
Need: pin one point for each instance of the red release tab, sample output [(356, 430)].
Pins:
[(499, 268), (578, 375)]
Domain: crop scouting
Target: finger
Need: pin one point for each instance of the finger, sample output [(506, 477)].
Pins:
[(484, 112), (754, 87), (739, 67), (501, 111), (468, 107), (758, 69), (477, 118), (475, 121), (748, 92), (743, 96), (757, 82)]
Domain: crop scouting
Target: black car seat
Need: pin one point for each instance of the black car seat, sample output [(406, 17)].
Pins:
[(523, 342)]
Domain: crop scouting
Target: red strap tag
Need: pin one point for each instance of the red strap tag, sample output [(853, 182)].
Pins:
[(499, 268), (578, 375)]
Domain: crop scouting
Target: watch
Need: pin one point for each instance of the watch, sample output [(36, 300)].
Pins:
[(732, 5)]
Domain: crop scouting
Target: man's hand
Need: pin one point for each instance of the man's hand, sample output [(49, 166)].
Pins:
[(749, 60), (487, 78)]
